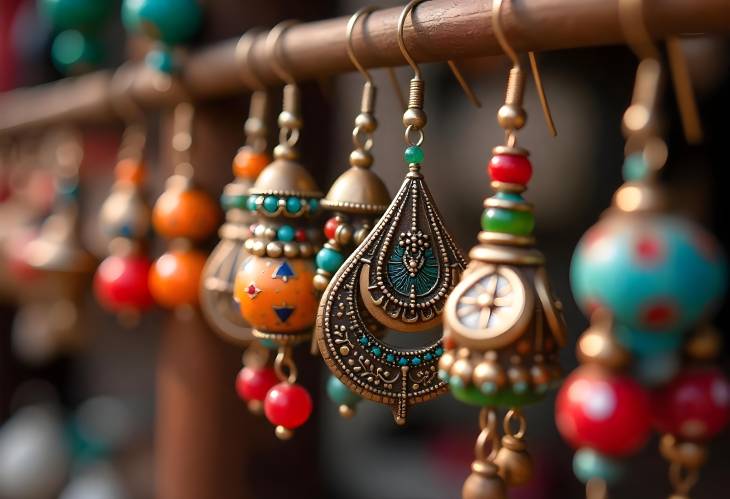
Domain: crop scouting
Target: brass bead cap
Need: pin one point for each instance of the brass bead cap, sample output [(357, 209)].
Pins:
[(286, 178), (358, 191)]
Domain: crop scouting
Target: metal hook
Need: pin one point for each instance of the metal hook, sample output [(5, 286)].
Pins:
[(638, 38), (244, 47), (417, 71), (273, 40), (355, 62), (517, 68)]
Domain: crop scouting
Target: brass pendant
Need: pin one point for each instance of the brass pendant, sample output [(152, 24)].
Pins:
[(399, 276)]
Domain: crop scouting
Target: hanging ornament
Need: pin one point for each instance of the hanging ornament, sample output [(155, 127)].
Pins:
[(502, 325), (121, 281), (397, 278), (274, 283), (183, 214)]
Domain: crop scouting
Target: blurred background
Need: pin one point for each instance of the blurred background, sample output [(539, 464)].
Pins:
[(83, 413)]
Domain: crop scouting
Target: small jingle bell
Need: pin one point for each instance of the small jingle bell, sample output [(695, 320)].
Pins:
[(514, 462), (484, 482)]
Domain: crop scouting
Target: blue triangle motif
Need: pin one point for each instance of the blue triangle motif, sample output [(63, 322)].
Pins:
[(283, 312), (283, 271)]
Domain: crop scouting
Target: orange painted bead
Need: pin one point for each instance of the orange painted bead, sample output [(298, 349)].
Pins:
[(175, 278), (249, 163), (276, 295), (130, 171), (189, 213)]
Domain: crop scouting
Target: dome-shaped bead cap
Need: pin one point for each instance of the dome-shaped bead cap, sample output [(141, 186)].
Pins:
[(357, 190), (288, 178)]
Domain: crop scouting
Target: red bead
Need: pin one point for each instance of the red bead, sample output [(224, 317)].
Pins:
[(288, 405), (694, 406), (121, 283), (510, 168), (300, 235), (330, 227), (608, 413), (254, 384)]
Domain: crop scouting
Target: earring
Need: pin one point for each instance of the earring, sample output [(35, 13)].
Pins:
[(274, 284), (398, 277), (636, 274), (183, 214), (121, 280), (502, 326)]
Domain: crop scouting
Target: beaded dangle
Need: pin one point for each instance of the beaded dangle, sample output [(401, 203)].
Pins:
[(183, 214), (274, 285), (121, 280), (502, 325), (635, 274), (397, 278), (358, 198)]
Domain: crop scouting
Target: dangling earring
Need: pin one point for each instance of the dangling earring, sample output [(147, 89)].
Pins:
[(645, 278), (398, 277), (121, 280), (183, 214), (358, 198), (274, 284), (502, 326)]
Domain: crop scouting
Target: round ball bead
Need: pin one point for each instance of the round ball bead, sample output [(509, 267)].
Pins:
[(288, 405), (249, 164), (329, 260), (174, 279), (86, 15), (120, 283), (130, 171), (74, 52), (413, 155), (188, 213), (293, 205), (300, 235), (330, 228), (162, 59), (588, 464), (694, 406), (285, 233), (271, 203), (340, 394), (254, 384), (510, 168), (171, 21), (608, 413), (646, 272)]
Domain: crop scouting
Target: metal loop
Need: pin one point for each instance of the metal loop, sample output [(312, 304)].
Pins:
[(410, 130), (361, 139), (515, 415), (273, 42), (283, 363), (289, 136), (350, 50), (244, 48), (488, 438)]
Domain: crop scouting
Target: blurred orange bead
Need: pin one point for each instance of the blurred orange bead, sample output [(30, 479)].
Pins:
[(175, 278), (189, 213), (131, 171), (249, 163)]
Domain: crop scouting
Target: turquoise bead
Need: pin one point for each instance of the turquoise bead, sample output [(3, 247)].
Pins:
[(313, 205), (656, 370), (171, 21), (588, 463), (285, 233), (293, 205), (413, 155), (85, 15), (161, 59), (377, 351), (74, 52), (251, 203), (635, 168), (269, 344), (340, 394), (510, 196), (329, 260), (364, 341), (271, 204)]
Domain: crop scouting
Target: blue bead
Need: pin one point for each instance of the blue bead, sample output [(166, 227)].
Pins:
[(402, 361), (416, 361), (364, 341), (438, 352), (340, 394), (271, 203), (293, 205), (161, 59), (329, 260), (376, 351), (313, 205), (428, 357), (172, 21), (587, 464), (251, 203), (285, 233), (390, 357), (269, 344)]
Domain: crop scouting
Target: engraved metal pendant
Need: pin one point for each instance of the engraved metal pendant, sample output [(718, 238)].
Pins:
[(400, 276)]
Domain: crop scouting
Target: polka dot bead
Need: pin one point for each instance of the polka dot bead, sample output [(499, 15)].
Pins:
[(608, 413)]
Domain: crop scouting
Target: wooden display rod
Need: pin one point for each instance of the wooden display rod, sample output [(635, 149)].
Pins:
[(439, 30)]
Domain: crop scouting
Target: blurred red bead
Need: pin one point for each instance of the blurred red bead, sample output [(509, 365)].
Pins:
[(608, 413), (300, 235), (254, 384), (330, 227), (121, 283), (510, 168), (694, 406), (288, 405)]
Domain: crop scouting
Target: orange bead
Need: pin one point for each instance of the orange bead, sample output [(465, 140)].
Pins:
[(189, 213), (276, 295), (249, 163), (174, 278), (131, 171)]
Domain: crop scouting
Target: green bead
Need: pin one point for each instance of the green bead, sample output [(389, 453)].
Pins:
[(635, 168), (340, 394), (413, 155), (73, 52), (161, 59), (506, 398), (285, 233), (171, 21), (85, 15), (518, 223), (587, 464), (293, 205), (329, 260), (233, 202), (271, 203)]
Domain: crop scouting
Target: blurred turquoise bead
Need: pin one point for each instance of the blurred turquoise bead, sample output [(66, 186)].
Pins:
[(171, 21), (293, 205), (587, 464), (73, 52), (161, 59), (340, 394), (648, 342), (85, 15), (653, 273), (285, 233), (271, 203), (329, 260), (656, 369), (635, 168)]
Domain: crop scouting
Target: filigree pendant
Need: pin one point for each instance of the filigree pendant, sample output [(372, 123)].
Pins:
[(400, 276)]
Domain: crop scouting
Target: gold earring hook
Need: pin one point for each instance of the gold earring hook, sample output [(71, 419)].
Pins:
[(355, 62), (416, 70), (638, 38), (244, 48), (517, 67), (273, 42), (255, 126)]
